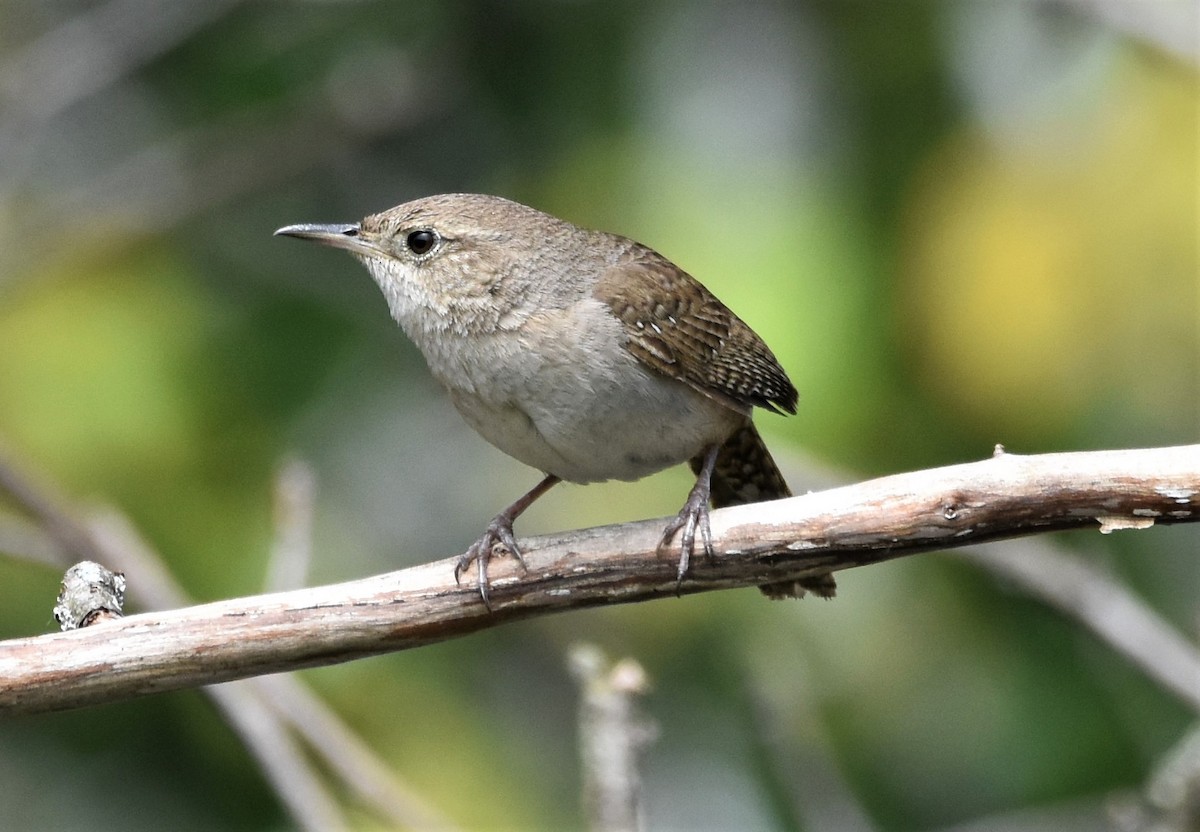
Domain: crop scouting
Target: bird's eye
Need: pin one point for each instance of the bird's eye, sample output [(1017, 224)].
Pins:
[(421, 241)]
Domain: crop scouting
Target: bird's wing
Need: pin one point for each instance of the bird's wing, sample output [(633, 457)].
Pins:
[(677, 327)]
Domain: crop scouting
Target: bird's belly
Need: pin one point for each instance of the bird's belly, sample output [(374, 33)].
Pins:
[(563, 396), (586, 430)]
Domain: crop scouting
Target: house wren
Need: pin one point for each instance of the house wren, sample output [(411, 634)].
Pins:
[(580, 353)]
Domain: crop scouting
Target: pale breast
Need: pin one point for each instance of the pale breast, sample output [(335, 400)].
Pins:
[(571, 401)]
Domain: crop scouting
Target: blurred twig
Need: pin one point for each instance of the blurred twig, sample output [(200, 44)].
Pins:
[(300, 788), (1171, 799), (1108, 609), (20, 538), (160, 176), (612, 735), (344, 752), (869, 522), (818, 796), (93, 49), (156, 186), (291, 551), (1172, 26), (83, 55), (1068, 816)]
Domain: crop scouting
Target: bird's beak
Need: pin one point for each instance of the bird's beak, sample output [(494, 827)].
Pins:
[(349, 237)]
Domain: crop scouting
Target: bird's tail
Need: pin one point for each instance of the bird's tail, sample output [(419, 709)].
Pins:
[(746, 473)]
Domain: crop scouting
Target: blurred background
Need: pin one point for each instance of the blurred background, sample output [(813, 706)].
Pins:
[(956, 224)]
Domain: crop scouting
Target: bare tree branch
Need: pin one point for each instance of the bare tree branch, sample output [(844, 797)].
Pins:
[(260, 711), (286, 703), (253, 717), (1005, 496)]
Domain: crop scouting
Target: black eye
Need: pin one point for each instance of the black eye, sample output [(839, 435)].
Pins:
[(420, 242)]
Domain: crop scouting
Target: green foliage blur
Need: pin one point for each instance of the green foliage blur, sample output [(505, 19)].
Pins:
[(956, 224)]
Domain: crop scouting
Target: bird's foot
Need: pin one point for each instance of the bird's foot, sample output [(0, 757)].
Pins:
[(692, 517), (499, 533)]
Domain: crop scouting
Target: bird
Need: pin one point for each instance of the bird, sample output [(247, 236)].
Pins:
[(581, 353)]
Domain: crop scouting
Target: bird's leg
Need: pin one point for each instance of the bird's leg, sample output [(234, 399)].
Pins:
[(500, 530), (693, 515)]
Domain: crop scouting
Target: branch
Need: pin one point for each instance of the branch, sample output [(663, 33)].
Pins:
[(1005, 496), (260, 711)]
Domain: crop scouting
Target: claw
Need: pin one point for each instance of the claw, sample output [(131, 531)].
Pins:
[(693, 516), (499, 532)]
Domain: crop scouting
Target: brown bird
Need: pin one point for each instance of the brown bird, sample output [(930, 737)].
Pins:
[(583, 354)]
